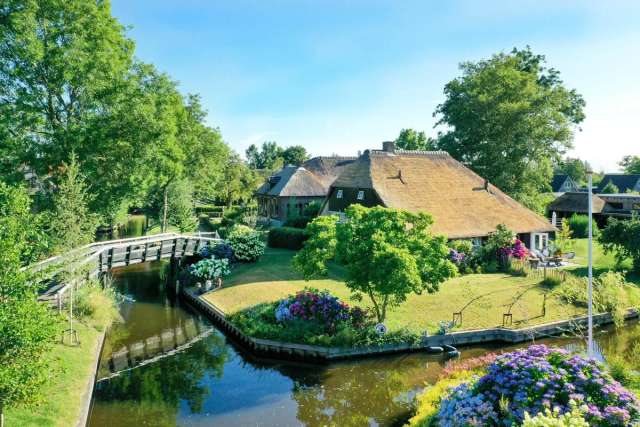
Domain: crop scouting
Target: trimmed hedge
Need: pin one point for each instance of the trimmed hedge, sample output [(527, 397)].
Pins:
[(287, 238)]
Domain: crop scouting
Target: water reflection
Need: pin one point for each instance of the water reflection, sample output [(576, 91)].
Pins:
[(213, 384)]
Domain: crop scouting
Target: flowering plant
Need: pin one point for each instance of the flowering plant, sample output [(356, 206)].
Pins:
[(534, 380), (457, 257), (319, 306), (517, 250), (210, 268)]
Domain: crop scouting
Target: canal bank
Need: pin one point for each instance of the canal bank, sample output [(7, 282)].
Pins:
[(214, 382)]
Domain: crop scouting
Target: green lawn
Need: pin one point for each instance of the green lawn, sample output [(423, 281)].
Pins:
[(601, 261), (273, 278), (71, 369)]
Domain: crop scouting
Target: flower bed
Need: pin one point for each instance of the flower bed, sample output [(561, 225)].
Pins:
[(533, 381), (317, 318)]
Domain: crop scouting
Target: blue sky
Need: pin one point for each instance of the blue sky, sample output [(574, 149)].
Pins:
[(342, 76)]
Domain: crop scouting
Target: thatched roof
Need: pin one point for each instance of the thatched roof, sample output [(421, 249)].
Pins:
[(461, 203), (576, 202), (312, 179)]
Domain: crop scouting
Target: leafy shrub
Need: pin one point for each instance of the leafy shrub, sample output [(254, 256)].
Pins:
[(609, 294), (312, 210), (575, 418), (223, 251), (210, 268), (97, 304), (246, 243), (316, 318), (623, 238), (533, 380), (297, 222), (287, 238), (579, 225)]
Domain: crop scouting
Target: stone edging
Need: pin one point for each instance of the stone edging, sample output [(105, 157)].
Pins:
[(477, 336), (85, 406)]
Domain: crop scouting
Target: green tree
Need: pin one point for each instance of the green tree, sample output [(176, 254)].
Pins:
[(410, 139), (238, 181), (610, 188), (270, 156), (575, 168), (622, 237), (71, 224), (319, 249), (509, 118), (388, 254), (630, 164), (181, 211), (27, 327), (295, 155)]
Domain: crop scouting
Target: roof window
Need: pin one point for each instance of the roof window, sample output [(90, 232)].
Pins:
[(339, 194), (360, 195)]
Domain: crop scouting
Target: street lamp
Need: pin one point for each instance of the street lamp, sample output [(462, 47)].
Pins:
[(590, 352)]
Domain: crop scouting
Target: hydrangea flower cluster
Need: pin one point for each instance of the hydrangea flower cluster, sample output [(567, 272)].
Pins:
[(319, 306), (518, 250), (534, 380), (456, 257)]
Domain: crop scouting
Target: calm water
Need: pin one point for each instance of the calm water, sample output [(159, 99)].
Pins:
[(212, 383)]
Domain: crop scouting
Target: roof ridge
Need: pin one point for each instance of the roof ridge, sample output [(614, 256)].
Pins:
[(335, 157), (435, 153)]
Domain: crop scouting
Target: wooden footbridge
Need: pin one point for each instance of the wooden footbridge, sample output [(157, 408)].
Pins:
[(154, 348), (100, 257)]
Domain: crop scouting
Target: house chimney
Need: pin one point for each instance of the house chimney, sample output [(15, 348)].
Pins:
[(389, 146)]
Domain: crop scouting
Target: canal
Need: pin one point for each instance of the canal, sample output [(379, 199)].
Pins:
[(213, 383)]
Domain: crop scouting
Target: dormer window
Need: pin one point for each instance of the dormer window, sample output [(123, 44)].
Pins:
[(339, 194), (360, 195)]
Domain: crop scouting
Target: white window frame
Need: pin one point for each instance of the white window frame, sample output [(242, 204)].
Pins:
[(339, 194), (360, 195), (539, 241)]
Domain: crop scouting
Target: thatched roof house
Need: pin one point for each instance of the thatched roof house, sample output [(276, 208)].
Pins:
[(462, 204), (292, 188), (604, 206), (576, 203)]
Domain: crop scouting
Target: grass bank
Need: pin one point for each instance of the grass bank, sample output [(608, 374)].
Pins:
[(482, 298), (72, 367)]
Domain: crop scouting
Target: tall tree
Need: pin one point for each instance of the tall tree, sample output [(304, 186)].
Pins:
[(575, 168), (295, 155), (630, 164), (388, 254), (27, 327), (269, 156), (71, 224), (239, 181), (64, 68), (510, 117), (410, 139)]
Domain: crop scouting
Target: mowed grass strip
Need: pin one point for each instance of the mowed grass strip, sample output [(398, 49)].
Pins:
[(71, 369), (273, 278)]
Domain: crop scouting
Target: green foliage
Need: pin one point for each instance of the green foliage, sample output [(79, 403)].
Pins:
[(295, 155), (388, 254), (27, 327), (575, 418), (609, 294), (312, 210), (510, 118), (319, 248), (410, 139), (287, 238), (96, 304), (575, 168), (260, 322), (579, 225), (71, 224), (501, 238), (181, 213), (630, 164), (247, 243), (563, 240), (464, 246), (622, 237), (211, 268), (268, 157), (238, 181), (610, 188)]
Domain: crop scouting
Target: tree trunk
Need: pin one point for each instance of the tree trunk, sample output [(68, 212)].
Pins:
[(165, 206), (1, 415)]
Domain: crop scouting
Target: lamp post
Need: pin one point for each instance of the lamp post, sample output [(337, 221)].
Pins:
[(590, 268)]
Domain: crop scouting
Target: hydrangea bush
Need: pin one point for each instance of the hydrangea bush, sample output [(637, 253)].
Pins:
[(210, 268), (536, 380), (317, 306), (517, 250), (246, 243)]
